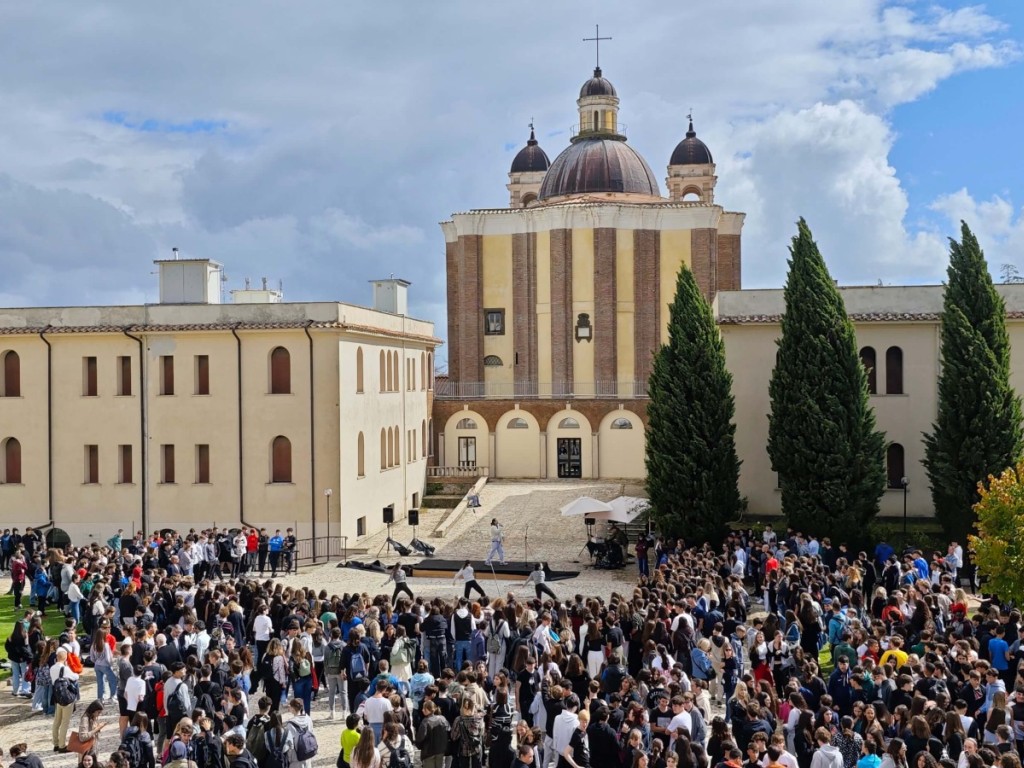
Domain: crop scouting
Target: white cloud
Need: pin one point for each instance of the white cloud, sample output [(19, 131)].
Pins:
[(345, 140), (997, 225)]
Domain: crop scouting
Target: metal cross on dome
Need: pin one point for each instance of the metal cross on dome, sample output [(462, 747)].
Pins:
[(596, 40)]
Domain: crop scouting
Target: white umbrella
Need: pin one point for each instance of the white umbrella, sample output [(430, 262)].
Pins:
[(585, 505), (625, 509)]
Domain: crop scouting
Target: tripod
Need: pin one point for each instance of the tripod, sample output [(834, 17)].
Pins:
[(589, 522), (387, 542), (526, 546)]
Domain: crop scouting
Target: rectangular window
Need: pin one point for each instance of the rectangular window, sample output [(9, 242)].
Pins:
[(202, 374), (167, 374), (361, 526), (124, 464), (494, 322), (92, 464), (124, 376), (166, 463), (202, 464), (89, 388)]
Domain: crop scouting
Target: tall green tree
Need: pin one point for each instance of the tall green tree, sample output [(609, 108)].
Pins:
[(978, 429), (821, 430), (692, 467)]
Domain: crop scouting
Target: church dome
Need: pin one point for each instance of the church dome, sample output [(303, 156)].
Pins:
[(530, 158), (598, 165), (691, 151), (597, 86)]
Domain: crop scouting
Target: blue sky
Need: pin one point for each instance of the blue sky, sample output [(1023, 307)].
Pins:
[(321, 144)]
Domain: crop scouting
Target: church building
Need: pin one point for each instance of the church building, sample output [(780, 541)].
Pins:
[(557, 303)]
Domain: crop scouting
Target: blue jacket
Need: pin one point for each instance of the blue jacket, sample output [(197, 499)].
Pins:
[(275, 544), (702, 668)]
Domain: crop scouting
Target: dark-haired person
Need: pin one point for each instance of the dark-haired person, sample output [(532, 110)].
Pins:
[(537, 578)]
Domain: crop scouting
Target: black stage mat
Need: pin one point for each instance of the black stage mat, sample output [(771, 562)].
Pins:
[(438, 568)]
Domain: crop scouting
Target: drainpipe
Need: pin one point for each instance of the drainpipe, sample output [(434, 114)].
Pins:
[(241, 478), (143, 430), (49, 424), (312, 448)]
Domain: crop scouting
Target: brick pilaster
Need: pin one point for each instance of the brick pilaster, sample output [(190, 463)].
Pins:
[(646, 300), (524, 311), (452, 259), (471, 322), (561, 310), (605, 321), (729, 262), (704, 260)]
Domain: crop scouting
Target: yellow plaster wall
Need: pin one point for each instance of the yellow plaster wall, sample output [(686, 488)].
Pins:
[(517, 450), (583, 301), (625, 349), (675, 251), (544, 311), (497, 294)]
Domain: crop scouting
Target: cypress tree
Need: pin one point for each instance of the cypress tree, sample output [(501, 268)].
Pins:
[(692, 467), (821, 436), (977, 431)]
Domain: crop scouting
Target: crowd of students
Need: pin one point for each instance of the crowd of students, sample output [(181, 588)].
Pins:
[(766, 653)]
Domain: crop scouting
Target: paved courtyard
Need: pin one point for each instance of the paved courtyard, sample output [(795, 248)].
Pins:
[(529, 512)]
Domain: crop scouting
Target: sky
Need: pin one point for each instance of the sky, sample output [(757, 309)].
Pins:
[(319, 143)]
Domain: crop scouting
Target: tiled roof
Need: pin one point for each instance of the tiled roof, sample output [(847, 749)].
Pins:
[(857, 317), (217, 326)]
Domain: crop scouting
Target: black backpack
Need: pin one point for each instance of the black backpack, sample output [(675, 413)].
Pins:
[(399, 757), (131, 748), (276, 756), (65, 690)]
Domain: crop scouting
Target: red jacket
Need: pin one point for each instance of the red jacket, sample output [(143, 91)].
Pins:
[(18, 571), (252, 542)]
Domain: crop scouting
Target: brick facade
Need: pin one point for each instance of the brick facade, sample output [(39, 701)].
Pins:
[(728, 262), (646, 299), (704, 260), (605, 316), (562, 321)]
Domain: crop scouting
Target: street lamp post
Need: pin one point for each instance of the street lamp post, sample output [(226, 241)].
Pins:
[(906, 484), (327, 495)]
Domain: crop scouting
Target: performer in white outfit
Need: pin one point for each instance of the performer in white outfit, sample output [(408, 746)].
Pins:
[(497, 538)]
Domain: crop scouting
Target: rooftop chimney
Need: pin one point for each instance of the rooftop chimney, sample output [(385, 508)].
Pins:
[(391, 295)]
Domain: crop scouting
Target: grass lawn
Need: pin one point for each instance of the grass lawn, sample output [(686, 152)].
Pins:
[(53, 624)]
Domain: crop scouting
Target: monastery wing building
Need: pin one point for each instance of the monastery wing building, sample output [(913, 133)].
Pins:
[(557, 303)]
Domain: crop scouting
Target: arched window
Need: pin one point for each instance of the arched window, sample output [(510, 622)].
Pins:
[(389, 384), (568, 423), (281, 460), (894, 371), (528, 198), (398, 447), (423, 370), (518, 423), (360, 456), (430, 370), (383, 373), (359, 369), (10, 375), (622, 423), (383, 449), (280, 371), (466, 424), (894, 465), (430, 438), (395, 383), (493, 361), (11, 466), (391, 447), (867, 359), (423, 430)]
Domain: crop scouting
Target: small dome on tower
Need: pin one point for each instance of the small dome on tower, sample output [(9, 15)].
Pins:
[(597, 86), (530, 158), (691, 150)]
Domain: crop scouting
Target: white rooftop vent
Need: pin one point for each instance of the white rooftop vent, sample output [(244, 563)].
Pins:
[(264, 295), (391, 295), (189, 281)]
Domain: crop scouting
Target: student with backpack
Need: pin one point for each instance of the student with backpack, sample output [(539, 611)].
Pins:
[(136, 743), (334, 672), (355, 661), (395, 748), (279, 742), (274, 673), (304, 744), (301, 673), (256, 729), (65, 694), (468, 734)]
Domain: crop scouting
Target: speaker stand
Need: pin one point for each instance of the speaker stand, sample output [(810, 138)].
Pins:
[(387, 542)]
